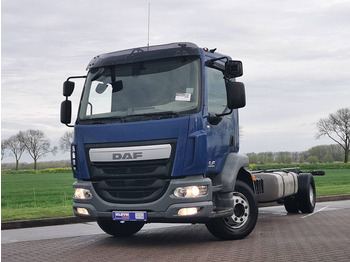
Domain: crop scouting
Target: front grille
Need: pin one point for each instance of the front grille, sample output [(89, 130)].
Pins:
[(131, 169), (130, 191), (131, 181), (151, 168)]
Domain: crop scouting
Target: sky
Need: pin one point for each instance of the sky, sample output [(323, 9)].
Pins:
[(295, 54)]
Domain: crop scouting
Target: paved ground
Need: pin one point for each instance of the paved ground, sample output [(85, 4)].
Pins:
[(321, 236)]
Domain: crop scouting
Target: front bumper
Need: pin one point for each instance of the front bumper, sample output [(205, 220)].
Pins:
[(164, 209)]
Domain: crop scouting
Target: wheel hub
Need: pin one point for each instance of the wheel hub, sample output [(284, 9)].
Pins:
[(311, 195), (240, 211)]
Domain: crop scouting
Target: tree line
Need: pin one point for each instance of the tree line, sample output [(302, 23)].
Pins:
[(35, 143), (336, 127), (316, 154)]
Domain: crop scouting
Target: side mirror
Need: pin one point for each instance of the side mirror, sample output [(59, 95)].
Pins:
[(68, 88), (233, 69), (66, 112), (235, 95)]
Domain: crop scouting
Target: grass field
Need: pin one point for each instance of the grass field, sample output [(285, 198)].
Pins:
[(26, 195), (32, 195), (335, 182)]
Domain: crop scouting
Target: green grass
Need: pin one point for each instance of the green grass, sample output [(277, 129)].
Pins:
[(48, 193), (29, 195), (335, 182), (27, 213)]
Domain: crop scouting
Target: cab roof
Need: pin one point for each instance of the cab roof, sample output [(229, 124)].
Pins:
[(145, 54)]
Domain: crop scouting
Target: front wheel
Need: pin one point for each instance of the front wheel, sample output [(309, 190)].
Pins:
[(244, 218), (120, 229)]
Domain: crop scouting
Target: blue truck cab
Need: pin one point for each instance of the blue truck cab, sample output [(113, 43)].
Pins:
[(156, 139)]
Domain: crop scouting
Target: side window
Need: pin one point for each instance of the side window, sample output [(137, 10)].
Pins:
[(99, 102), (217, 100)]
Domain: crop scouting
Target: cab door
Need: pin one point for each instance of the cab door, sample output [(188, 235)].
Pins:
[(221, 130)]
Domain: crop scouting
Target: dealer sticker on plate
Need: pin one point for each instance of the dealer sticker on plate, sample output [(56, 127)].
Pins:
[(130, 215)]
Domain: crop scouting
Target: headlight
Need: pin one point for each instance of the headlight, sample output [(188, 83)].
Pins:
[(191, 191), (82, 193)]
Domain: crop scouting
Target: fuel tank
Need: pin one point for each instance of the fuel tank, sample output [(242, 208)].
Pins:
[(277, 185)]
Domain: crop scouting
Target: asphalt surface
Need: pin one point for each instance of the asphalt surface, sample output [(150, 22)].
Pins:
[(321, 236), (71, 220)]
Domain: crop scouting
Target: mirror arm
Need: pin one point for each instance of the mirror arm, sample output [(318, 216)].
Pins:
[(224, 114), (72, 77), (211, 61)]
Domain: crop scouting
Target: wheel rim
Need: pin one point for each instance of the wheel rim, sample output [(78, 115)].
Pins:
[(240, 211), (312, 195)]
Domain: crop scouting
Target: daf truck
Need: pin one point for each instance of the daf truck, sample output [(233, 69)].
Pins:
[(156, 139)]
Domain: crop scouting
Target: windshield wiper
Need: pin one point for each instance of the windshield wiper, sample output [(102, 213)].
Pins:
[(153, 116), (104, 120), (129, 118)]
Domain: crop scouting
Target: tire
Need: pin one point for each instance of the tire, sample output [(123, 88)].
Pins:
[(118, 229), (306, 196), (291, 205), (244, 218)]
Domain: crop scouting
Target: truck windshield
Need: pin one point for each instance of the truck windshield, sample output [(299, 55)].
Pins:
[(142, 90)]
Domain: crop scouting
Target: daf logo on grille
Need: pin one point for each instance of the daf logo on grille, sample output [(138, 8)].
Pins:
[(130, 153), (134, 155)]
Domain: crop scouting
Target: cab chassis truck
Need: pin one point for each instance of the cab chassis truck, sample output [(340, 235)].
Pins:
[(156, 139)]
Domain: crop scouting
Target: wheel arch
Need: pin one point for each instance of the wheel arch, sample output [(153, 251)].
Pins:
[(246, 177), (234, 168)]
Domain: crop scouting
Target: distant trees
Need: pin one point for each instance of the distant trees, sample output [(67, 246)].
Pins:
[(323, 153), (335, 151), (66, 141), (337, 127), (327, 159), (283, 158), (270, 157), (312, 159), (36, 144), (15, 146), (3, 149)]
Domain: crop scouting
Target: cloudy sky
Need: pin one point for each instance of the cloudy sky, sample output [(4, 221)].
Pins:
[(296, 57)]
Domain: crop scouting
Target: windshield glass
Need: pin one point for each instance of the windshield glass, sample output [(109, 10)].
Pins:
[(167, 87)]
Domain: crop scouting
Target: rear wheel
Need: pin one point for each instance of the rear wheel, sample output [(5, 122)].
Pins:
[(306, 196), (120, 229), (291, 204), (244, 218)]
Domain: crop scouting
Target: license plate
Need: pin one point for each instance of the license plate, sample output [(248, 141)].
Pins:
[(129, 215)]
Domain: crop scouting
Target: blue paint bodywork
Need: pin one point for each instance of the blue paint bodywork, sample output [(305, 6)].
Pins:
[(201, 147)]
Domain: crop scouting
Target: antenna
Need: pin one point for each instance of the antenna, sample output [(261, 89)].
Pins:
[(149, 21)]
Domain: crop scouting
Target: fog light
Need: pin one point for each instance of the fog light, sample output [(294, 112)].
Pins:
[(82, 193), (82, 211), (188, 211), (191, 191)]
